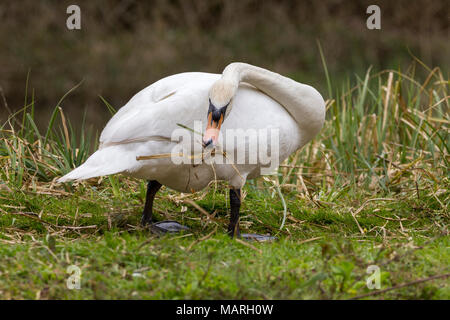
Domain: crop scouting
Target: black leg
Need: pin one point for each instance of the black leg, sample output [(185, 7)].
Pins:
[(233, 227), (235, 205), (152, 188), (162, 226)]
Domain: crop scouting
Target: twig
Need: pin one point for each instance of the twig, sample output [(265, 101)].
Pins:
[(248, 245), (196, 206), (309, 240), (396, 257), (201, 239), (374, 199), (277, 186), (159, 156), (32, 216), (187, 128), (390, 219), (441, 276), (357, 223)]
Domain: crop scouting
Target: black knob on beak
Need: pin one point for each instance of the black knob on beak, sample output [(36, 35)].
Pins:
[(207, 143)]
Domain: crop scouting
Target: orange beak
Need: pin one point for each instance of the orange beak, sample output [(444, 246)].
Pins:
[(211, 135)]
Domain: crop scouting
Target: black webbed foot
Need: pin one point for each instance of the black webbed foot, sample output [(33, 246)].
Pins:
[(168, 226), (257, 237)]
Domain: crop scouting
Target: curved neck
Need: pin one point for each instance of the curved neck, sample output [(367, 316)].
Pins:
[(303, 102)]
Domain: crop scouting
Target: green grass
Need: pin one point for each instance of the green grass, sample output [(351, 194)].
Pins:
[(372, 189)]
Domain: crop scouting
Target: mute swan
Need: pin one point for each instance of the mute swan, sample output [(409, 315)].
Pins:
[(243, 97)]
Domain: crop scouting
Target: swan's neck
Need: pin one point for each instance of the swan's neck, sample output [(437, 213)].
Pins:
[(303, 102)]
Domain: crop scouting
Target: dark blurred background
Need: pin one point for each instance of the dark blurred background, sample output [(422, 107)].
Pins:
[(123, 46)]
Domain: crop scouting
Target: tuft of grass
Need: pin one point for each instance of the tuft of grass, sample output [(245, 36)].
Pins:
[(371, 189), (29, 156)]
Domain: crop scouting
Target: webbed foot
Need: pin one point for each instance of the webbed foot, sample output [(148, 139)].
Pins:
[(168, 226), (257, 237)]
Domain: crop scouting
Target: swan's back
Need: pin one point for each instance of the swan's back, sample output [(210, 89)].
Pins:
[(145, 124), (153, 106)]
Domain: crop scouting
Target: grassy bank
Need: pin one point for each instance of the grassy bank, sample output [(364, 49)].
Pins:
[(371, 189)]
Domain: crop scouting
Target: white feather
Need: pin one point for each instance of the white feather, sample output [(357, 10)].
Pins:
[(145, 124)]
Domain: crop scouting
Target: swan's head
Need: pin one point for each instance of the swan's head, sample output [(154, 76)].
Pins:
[(220, 101)]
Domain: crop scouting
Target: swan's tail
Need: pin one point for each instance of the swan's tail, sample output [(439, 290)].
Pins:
[(106, 161)]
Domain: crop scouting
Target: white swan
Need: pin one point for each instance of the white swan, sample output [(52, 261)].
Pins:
[(243, 97)]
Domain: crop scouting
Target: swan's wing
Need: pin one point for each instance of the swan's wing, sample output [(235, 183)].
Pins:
[(154, 112)]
